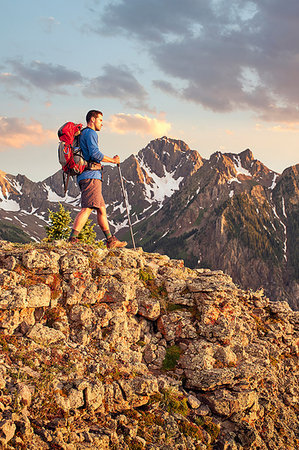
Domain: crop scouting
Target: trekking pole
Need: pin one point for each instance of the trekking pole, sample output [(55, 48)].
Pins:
[(126, 204)]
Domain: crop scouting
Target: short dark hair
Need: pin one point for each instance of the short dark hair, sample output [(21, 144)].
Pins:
[(92, 113)]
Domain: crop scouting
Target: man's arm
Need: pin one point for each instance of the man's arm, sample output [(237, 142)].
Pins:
[(114, 160), (97, 166)]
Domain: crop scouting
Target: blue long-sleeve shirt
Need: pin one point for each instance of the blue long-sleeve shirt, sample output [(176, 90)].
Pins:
[(90, 150)]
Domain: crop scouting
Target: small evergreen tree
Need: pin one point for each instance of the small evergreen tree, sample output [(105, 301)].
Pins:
[(87, 234), (59, 227), (59, 224)]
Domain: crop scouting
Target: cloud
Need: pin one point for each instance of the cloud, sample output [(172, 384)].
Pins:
[(165, 86), (241, 55), (152, 20), (12, 83), (118, 82), (48, 23), (45, 76), (136, 123), (287, 128), (16, 133)]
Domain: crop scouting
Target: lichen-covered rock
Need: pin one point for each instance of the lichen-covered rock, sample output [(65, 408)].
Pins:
[(177, 325), (14, 299), (38, 296), (43, 261), (7, 431), (44, 335), (148, 306), (126, 349)]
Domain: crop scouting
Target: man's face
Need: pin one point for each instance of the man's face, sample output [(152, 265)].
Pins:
[(98, 122)]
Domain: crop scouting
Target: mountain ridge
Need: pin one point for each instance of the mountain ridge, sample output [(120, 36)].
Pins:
[(180, 202)]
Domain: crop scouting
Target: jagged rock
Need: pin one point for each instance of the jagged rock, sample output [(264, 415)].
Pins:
[(226, 403), (38, 295), (14, 299), (175, 326), (139, 351), (7, 431), (193, 402), (45, 262), (148, 307), (44, 335), (209, 379), (24, 394), (211, 282)]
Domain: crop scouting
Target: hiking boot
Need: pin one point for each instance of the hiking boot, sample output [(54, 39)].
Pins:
[(113, 242), (74, 240)]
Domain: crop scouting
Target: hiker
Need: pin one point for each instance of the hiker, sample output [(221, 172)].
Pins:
[(90, 181)]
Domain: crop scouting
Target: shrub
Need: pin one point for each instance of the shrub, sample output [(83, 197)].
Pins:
[(59, 227), (59, 224)]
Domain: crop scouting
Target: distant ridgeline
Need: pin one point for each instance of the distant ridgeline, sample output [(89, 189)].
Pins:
[(12, 233), (227, 212)]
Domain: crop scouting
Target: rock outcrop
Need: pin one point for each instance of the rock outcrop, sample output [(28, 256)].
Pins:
[(131, 350), (229, 211)]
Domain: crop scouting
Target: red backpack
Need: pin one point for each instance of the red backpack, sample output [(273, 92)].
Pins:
[(69, 151)]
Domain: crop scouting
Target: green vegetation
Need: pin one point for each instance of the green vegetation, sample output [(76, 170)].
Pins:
[(253, 228), (172, 356), (59, 227), (149, 281), (12, 233), (88, 235), (59, 224), (171, 400), (209, 426), (146, 275)]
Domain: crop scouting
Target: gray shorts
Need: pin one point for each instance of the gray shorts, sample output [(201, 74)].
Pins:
[(91, 193)]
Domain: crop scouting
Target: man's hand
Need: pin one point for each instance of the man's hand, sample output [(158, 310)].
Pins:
[(116, 159)]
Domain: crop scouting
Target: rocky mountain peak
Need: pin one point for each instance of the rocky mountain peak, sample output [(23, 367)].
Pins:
[(246, 156), (166, 155), (241, 167), (291, 172), (128, 349), (9, 184)]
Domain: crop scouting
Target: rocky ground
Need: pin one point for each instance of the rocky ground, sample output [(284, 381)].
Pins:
[(131, 350)]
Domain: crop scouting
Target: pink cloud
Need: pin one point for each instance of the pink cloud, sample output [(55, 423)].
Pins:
[(16, 133), (136, 123)]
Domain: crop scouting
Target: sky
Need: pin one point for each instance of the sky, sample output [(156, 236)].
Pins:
[(221, 75)]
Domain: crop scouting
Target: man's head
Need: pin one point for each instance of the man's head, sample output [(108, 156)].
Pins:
[(94, 119)]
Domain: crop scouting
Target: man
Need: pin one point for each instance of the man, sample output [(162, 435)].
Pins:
[(90, 181)]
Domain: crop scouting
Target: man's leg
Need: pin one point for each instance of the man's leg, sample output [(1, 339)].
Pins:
[(112, 241), (80, 221), (103, 221)]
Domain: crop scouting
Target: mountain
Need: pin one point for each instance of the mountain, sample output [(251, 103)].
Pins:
[(234, 213), (126, 350), (152, 176), (227, 212)]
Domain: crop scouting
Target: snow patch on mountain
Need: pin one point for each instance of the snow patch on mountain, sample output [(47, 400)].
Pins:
[(275, 176), (285, 233), (234, 179), (53, 197), (8, 204), (162, 187), (17, 186), (239, 168)]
